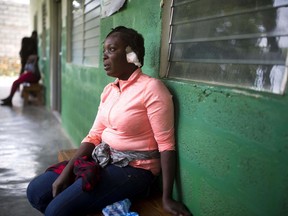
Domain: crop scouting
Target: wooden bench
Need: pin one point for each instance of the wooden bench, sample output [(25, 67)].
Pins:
[(150, 206), (33, 93)]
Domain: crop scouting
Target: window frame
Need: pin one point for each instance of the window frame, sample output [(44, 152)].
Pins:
[(70, 51), (165, 38), (166, 49), (44, 30)]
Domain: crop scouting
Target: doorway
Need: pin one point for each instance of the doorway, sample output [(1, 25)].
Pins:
[(56, 55)]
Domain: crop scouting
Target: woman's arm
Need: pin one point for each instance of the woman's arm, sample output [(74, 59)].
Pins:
[(66, 177), (168, 163), (86, 148), (160, 111)]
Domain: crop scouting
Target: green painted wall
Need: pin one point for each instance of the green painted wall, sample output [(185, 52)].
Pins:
[(232, 146), (44, 65), (232, 151)]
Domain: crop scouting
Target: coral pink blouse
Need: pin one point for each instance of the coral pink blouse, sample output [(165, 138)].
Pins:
[(136, 116)]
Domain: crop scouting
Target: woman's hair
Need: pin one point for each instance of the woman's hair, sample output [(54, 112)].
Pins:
[(133, 39)]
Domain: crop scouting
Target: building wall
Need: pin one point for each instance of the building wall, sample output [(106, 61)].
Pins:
[(14, 23), (232, 145), (232, 150), (44, 59)]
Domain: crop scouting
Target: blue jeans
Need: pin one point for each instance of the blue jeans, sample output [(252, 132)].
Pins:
[(115, 184)]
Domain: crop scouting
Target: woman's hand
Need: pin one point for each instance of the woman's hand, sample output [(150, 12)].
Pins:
[(168, 174), (61, 183), (175, 208), (66, 177)]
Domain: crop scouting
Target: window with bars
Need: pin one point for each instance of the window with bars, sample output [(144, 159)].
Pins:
[(231, 42), (85, 32)]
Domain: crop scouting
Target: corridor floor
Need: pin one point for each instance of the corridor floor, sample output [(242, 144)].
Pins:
[(30, 137)]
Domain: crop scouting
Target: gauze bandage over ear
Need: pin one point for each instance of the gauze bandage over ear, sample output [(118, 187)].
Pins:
[(132, 57)]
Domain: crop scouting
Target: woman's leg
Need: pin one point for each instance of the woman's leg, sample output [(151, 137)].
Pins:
[(25, 77), (116, 184), (39, 190)]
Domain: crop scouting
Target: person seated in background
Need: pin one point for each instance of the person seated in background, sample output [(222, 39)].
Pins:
[(28, 47), (31, 74), (131, 141)]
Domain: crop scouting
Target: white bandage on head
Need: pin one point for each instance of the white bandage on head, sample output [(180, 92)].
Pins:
[(132, 57)]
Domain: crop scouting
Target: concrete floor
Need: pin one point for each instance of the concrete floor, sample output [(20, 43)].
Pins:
[(30, 137)]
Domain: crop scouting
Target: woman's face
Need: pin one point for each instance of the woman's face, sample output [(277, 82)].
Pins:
[(114, 57)]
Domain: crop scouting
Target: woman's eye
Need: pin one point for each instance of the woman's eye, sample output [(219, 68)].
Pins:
[(109, 50)]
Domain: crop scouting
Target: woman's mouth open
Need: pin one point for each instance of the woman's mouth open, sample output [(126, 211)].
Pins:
[(106, 67)]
